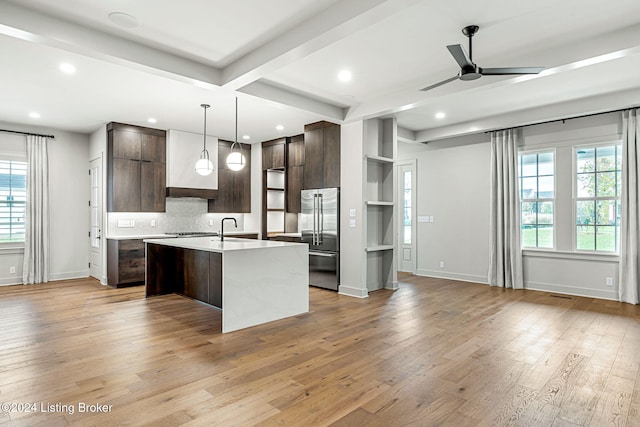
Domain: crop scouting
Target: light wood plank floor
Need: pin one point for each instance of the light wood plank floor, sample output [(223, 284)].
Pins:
[(435, 352)]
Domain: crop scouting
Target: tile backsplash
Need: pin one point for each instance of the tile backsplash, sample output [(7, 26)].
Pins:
[(182, 214)]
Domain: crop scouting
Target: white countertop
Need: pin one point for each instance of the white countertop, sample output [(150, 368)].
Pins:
[(145, 236), (213, 244), (170, 236)]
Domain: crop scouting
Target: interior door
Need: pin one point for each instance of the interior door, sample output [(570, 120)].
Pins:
[(95, 222), (407, 216)]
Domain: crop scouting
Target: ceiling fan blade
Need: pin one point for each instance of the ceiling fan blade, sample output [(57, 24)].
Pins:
[(509, 70), (460, 55), (440, 83)]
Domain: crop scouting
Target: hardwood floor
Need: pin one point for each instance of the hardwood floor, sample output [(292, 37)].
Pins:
[(434, 352)]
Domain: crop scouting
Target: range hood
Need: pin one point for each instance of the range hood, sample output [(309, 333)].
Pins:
[(183, 150)]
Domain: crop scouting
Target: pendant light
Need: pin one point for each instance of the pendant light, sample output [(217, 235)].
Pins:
[(204, 166), (235, 159)]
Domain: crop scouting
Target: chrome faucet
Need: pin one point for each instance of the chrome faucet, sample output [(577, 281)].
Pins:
[(222, 226)]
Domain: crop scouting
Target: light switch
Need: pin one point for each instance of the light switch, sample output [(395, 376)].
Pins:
[(153, 222), (422, 218), (132, 223), (352, 213), (124, 223), (352, 223), (210, 222), (430, 218)]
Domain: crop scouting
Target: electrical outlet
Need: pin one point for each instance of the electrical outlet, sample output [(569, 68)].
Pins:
[(441, 264), (608, 281), (12, 270)]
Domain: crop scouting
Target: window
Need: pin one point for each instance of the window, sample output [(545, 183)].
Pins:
[(537, 192), (13, 195), (406, 208), (597, 197)]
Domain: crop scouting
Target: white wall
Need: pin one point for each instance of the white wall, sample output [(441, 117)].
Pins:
[(352, 239), (453, 187), (69, 213)]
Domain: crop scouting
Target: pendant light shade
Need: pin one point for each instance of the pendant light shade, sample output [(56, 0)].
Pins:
[(235, 159), (204, 166)]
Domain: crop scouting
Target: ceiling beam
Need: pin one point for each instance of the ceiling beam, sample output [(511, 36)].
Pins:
[(342, 19), (264, 90), (563, 110), (33, 26)]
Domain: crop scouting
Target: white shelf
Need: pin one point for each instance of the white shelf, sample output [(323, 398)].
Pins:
[(379, 248), (378, 203), (379, 159)]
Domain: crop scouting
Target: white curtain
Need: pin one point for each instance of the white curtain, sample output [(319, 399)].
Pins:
[(35, 268), (630, 217), (505, 257)]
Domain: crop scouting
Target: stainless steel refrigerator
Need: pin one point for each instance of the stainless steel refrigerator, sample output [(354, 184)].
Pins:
[(320, 228)]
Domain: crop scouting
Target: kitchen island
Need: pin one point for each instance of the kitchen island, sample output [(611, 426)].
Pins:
[(251, 281)]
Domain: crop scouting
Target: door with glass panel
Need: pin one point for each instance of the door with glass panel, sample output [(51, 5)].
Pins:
[(406, 215), (95, 219)]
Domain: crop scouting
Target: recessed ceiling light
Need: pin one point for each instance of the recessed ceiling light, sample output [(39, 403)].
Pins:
[(67, 68), (344, 75), (123, 20), (440, 115), (152, 120), (279, 127), (34, 115), (246, 137)]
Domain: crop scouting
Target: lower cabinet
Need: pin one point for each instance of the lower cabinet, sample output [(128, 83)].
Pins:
[(125, 262), (194, 274)]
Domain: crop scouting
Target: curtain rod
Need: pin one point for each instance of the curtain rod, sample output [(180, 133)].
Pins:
[(27, 133), (565, 119)]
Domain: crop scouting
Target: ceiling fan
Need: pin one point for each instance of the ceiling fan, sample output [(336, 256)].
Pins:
[(470, 71)]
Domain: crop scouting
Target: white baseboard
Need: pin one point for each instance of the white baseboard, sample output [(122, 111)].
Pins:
[(69, 275), (453, 276), (572, 290), (10, 280), (353, 292)]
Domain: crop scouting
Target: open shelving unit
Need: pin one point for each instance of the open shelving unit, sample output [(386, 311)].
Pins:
[(275, 200), (379, 193)]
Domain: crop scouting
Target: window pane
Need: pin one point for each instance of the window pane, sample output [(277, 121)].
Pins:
[(586, 237), (528, 237), (585, 160), (606, 212), (12, 200), (586, 185), (545, 213), (528, 213), (545, 164), (545, 187), (606, 158), (545, 236), (406, 217), (529, 166), (585, 212), (606, 184), (606, 238), (529, 188)]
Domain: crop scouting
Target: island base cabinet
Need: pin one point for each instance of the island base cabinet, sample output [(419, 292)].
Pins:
[(194, 274)]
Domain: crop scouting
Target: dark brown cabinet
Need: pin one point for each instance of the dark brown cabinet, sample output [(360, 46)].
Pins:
[(295, 172), (188, 272), (125, 262), (234, 187), (136, 168), (321, 155), (273, 154)]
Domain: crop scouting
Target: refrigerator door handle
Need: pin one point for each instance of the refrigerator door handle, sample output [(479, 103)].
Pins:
[(324, 254), (313, 236), (321, 220)]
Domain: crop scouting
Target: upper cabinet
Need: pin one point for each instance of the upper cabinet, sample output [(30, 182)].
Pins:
[(321, 155), (136, 168), (295, 172), (273, 154), (183, 150), (234, 187)]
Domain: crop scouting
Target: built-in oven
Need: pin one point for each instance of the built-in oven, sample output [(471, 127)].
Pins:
[(324, 269)]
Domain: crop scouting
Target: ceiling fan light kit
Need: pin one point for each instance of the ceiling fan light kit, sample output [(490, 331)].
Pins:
[(469, 70)]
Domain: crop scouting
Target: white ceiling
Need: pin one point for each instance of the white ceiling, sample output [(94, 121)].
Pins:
[(281, 58)]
